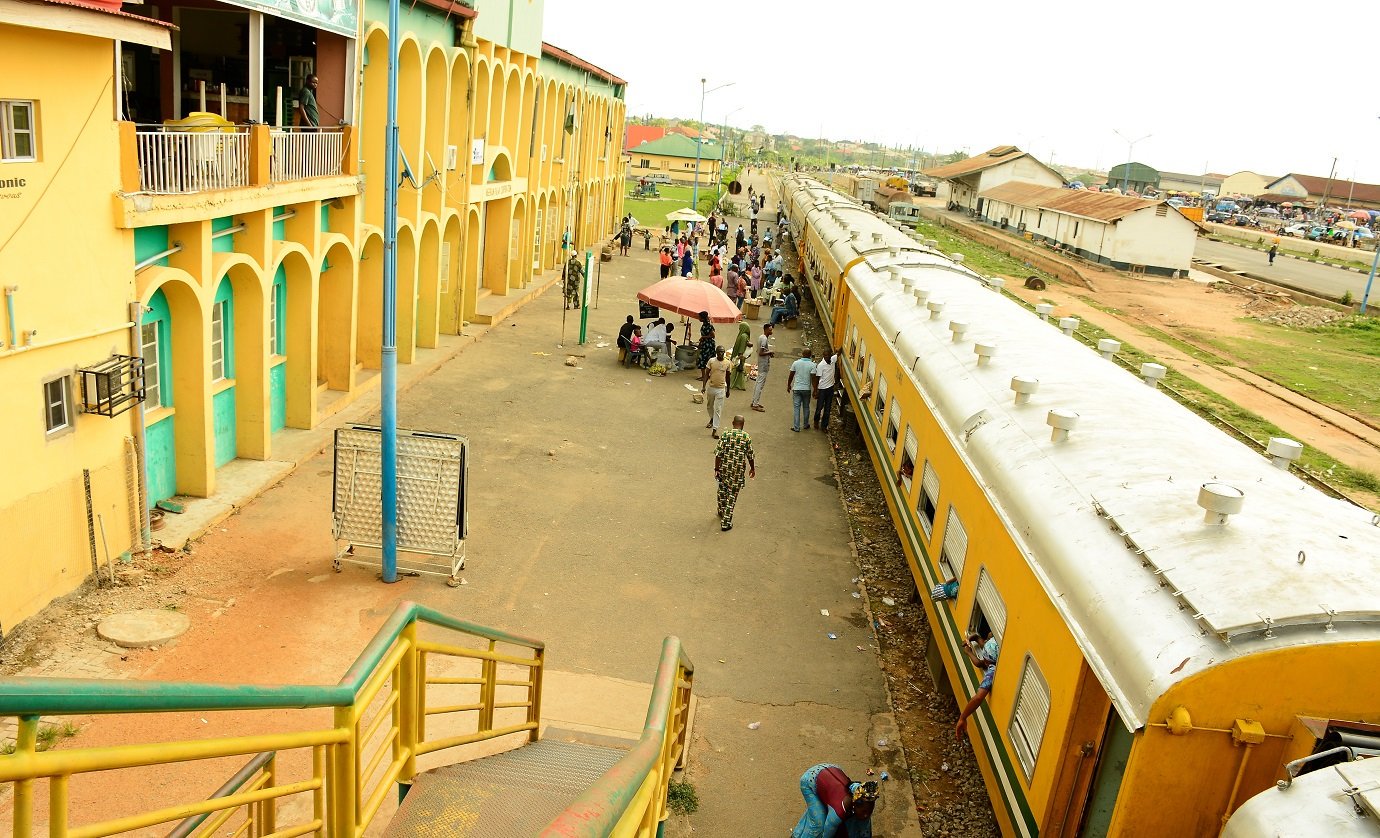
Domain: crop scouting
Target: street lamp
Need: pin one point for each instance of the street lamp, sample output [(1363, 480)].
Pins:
[(1130, 149), (699, 141)]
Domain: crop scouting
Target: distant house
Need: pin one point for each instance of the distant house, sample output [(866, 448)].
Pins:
[(1332, 192), (683, 131), (1136, 177), (968, 178), (674, 154), (636, 135), (1248, 184), (1137, 234), (1180, 182)]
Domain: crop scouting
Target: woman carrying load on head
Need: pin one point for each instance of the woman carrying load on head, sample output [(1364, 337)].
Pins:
[(738, 378)]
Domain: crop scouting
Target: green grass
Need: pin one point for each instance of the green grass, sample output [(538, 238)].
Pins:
[(46, 737), (1300, 247), (652, 211), (979, 257), (681, 798)]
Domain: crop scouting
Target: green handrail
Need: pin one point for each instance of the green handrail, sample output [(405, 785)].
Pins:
[(70, 696), (598, 810)]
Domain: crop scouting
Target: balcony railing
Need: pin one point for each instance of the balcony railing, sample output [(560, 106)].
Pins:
[(178, 160), (304, 153)]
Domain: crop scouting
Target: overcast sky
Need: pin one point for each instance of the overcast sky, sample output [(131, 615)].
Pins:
[(1228, 85)]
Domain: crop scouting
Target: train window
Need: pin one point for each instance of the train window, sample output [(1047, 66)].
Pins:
[(893, 429), (989, 612), (871, 374), (853, 342), (928, 505), (862, 355), (908, 453), (955, 548), (880, 406), (1030, 715)]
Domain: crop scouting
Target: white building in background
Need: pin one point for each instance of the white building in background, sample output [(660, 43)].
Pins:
[(1135, 234), (967, 179)]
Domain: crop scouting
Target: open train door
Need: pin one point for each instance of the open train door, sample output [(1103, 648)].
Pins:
[(1095, 751)]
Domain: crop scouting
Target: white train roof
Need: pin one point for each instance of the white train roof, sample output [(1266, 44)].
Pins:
[(1340, 801), (1110, 518)]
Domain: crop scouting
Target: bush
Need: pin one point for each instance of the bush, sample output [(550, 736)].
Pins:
[(681, 798), (1347, 298)]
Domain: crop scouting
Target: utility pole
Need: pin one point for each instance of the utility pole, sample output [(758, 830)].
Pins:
[(1327, 190), (388, 351)]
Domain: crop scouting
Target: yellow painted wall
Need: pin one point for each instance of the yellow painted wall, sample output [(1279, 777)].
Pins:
[(73, 259), (72, 268), (679, 168), (1272, 688)]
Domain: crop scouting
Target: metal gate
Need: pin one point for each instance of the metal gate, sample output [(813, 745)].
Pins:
[(432, 519)]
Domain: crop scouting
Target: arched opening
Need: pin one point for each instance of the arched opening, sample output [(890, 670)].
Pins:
[(457, 184), (299, 383), (335, 326), (517, 244), (448, 278), (474, 247), (493, 130), (410, 124), (497, 235), (524, 147), (375, 112), (407, 295), (435, 160), (178, 441), (429, 285), (248, 390), (369, 304), (539, 236)]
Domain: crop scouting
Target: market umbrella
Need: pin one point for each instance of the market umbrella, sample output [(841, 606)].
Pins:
[(1359, 215), (690, 297), (686, 214), (1345, 225), (1287, 204), (1269, 211)]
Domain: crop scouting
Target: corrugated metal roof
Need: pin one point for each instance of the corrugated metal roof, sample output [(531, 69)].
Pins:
[(989, 158), (679, 145), (1100, 206), (1340, 191)]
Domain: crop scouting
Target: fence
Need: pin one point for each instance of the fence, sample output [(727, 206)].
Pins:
[(299, 154), (179, 161)]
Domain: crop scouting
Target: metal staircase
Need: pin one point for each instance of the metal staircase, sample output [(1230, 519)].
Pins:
[(408, 696)]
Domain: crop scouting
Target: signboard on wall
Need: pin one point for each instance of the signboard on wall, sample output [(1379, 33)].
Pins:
[(338, 16), (477, 153)]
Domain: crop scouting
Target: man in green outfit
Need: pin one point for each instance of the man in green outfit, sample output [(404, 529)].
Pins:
[(733, 464), (306, 104)]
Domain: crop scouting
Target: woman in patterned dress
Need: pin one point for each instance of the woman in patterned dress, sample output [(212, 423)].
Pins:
[(706, 348)]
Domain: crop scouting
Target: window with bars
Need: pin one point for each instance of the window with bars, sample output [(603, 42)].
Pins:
[(989, 611), (153, 371), (880, 405), (275, 319), (955, 549), (57, 405), (928, 504), (1028, 719), (18, 135), (218, 341), (536, 248), (893, 428), (908, 455), (862, 356)]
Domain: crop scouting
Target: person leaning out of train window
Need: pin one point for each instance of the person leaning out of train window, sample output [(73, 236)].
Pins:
[(983, 654)]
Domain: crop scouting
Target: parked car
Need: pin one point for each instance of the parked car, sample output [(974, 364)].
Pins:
[(1219, 217), (1298, 230), (1244, 221), (1364, 233), (1316, 232)]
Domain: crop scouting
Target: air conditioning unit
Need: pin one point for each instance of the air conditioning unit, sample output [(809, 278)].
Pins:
[(452, 157)]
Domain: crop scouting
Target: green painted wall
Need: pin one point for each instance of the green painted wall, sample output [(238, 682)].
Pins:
[(550, 68), (160, 314), (511, 23), (225, 294), (224, 244), (277, 397), (279, 227), (426, 23), (325, 217), (223, 420), (161, 460), (148, 241)]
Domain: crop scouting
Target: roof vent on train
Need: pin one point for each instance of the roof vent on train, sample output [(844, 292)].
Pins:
[(936, 308), (1062, 421), (1025, 387), (893, 251), (1220, 500), (1106, 347), (877, 238), (957, 257), (1044, 310), (922, 297), (1151, 373), (1283, 451), (959, 328), (985, 350), (1068, 325)]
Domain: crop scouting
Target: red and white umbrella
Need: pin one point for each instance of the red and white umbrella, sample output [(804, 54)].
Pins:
[(690, 297)]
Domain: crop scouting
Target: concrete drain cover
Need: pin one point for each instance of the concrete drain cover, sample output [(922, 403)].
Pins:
[(141, 629)]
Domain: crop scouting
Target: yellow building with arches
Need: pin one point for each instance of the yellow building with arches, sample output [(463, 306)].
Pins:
[(240, 260)]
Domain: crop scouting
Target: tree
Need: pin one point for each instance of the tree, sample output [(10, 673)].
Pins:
[(951, 157)]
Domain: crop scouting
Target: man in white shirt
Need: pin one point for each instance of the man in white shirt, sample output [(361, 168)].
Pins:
[(764, 353), (656, 338), (825, 378)]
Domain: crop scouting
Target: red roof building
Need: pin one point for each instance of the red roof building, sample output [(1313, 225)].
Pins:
[(636, 135)]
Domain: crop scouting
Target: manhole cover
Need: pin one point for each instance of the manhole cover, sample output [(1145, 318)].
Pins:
[(140, 629)]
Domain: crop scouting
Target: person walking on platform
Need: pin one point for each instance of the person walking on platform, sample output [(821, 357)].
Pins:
[(835, 806), (733, 464), (716, 389), (826, 376), (574, 278), (798, 384), (741, 347), (764, 353)]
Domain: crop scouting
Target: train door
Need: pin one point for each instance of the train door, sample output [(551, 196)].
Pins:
[(979, 206), (1083, 745), (1106, 785)]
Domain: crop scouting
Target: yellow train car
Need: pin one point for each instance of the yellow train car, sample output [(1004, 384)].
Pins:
[(1178, 617)]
